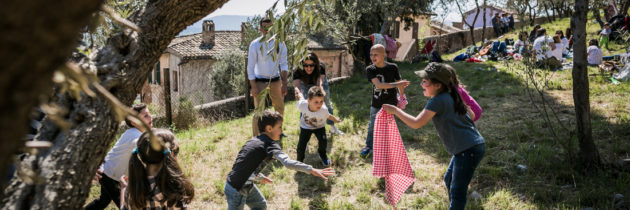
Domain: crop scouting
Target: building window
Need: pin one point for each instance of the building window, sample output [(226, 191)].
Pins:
[(157, 73), (175, 80), (151, 77)]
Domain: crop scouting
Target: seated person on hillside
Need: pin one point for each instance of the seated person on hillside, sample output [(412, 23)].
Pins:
[(557, 51), (521, 45), (593, 53)]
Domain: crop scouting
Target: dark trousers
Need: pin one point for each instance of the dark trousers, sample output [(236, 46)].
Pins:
[(110, 191), (305, 136)]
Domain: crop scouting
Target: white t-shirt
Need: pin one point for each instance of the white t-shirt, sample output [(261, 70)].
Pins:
[(312, 120), (556, 52), (542, 47), (117, 160), (520, 43), (594, 55)]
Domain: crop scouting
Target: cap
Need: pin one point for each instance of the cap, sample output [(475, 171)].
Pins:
[(438, 71)]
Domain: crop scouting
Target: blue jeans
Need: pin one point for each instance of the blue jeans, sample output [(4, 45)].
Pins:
[(459, 173), (369, 141), (305, 88), (236, 200)]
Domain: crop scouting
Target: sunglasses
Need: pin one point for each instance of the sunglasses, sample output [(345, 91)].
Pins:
[(308, 65)]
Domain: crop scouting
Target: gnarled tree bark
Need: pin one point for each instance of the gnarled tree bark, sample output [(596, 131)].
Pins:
[(36, 38), (66, 169)]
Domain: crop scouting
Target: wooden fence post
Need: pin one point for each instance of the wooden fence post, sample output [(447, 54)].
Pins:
[(247, 88), (167, 96)]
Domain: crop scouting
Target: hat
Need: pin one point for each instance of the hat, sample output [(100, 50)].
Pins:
[(440, 72)]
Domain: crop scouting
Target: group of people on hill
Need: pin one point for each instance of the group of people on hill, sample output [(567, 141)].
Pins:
[(138, 173), (550, 51), (502, 23)]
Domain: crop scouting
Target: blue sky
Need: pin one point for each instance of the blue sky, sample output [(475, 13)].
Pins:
[(258, 7), (247, 7)]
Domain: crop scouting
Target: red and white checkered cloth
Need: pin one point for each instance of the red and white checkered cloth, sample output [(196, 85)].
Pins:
[(390, 158)]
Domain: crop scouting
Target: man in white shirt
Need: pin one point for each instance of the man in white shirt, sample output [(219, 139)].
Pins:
[(116, 162), (262, 71), (543, 45)]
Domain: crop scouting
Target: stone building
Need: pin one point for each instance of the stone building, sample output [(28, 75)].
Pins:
[(190, 59)]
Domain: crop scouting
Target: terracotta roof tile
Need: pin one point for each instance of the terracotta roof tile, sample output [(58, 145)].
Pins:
[(190, 47)]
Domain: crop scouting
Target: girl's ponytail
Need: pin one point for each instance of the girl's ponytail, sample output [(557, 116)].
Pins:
[(458, 104)]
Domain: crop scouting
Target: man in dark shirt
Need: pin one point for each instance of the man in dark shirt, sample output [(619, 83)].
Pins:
[(385, 78), (253, 157)]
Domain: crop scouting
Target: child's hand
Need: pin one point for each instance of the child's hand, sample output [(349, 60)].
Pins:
[(123, 181), (336, 119), (266, 180), (390, 109), (323, 173), (402, 84), (402, 102)]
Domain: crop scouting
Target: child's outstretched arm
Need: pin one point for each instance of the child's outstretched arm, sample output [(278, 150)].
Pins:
[(402, 85), (334, 118), (411, 121), (323, 173), (292, 164), (383, 85)]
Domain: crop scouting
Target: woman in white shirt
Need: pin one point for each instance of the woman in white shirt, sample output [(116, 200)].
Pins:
[(557, 51), (520, 46), (564, 41), (593, 53)]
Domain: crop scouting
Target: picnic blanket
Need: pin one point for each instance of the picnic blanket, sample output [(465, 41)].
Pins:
[(390, 158)]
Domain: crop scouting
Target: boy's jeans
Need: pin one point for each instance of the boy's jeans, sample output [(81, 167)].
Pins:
[(369, 141), (236, 201), (459, 173), (305, 88)]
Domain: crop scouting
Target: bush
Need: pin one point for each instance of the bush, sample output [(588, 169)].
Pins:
[(185, 114), (228, 75)]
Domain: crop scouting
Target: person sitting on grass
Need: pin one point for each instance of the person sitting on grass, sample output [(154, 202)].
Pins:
[(454, 126), (594, 54), (522, 44), (155, 179), (252, 159), (604, 36), (313, 115)]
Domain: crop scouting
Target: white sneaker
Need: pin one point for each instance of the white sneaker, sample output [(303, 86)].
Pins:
[(335, 130)]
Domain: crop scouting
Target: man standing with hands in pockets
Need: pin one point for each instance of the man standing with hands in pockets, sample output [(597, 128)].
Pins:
[(262, 71)]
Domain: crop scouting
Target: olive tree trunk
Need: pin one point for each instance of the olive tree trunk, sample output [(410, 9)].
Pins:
[(66, 170), (588, 151)]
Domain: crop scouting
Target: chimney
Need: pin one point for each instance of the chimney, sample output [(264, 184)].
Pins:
[(207, 33)]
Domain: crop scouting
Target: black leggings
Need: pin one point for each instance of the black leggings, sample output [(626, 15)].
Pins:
[(305, 136)]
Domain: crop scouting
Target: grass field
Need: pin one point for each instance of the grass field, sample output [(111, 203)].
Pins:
[(513, 128)]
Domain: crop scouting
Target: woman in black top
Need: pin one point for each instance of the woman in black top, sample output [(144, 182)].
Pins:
[(311, 74)]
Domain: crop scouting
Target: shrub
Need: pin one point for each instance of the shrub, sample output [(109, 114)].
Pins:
[(185, 114), (228, 75)]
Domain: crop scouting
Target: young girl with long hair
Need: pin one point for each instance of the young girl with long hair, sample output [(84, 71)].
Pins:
[(454, 126), (155, 179)]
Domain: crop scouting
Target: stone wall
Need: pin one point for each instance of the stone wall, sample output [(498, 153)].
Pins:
[(195, 82), (338, 62), (451, 42), (235, 107)]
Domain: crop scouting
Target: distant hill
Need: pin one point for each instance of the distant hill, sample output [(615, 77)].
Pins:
[(221, 23)]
